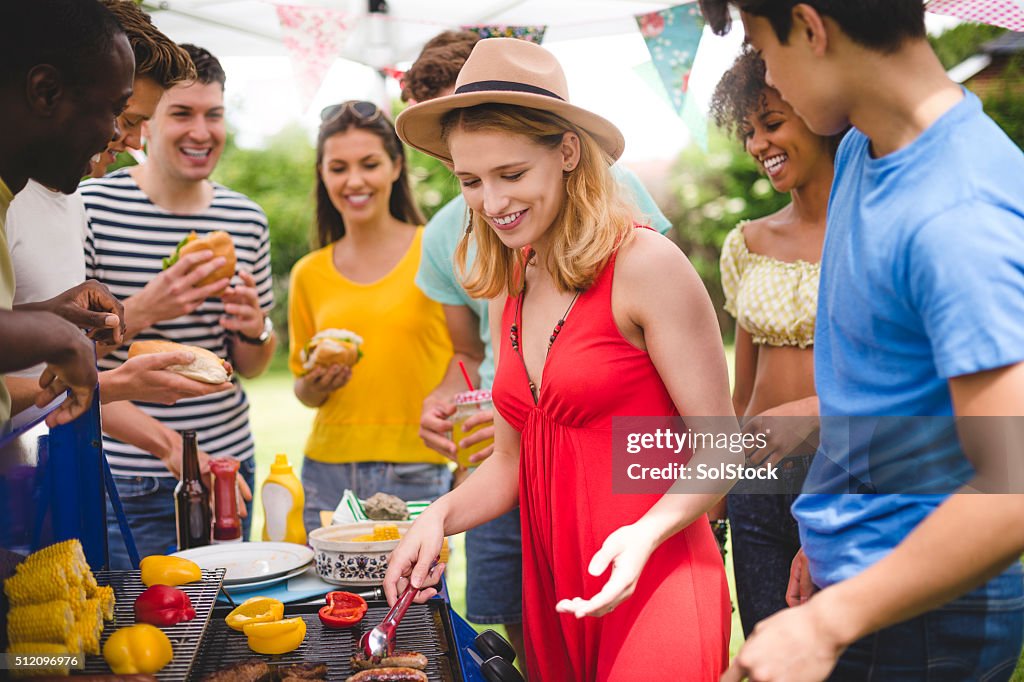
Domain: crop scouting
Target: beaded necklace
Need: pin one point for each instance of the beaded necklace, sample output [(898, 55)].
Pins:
[(513, 333)]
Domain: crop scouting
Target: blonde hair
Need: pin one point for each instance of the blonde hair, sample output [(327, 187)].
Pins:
[(593, 221)]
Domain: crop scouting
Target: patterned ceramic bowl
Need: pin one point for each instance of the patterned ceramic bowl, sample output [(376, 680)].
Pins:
[(340, 561)]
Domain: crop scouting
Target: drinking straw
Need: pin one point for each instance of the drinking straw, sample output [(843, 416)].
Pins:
[(465, 375)]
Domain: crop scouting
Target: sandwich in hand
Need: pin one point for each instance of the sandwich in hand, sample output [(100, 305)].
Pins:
[(205, 367), (219, 242), (332, 347)]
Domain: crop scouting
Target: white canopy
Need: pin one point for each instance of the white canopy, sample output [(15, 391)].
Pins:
[(250, 27)]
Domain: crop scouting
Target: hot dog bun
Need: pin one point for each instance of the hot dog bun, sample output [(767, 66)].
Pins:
[(332, 347), (219, 242), (206, 366)]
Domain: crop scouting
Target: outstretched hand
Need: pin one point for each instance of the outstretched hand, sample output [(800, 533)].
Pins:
[(626, 550)]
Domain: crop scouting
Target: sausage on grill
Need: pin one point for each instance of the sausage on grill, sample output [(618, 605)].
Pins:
[(399, 659), (389, 675)]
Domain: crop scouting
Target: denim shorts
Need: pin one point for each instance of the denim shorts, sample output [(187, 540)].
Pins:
[(977, 637), (494, 571), (148, 503), (324, 483)]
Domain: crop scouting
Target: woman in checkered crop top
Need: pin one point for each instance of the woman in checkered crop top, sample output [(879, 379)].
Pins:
[(770, 272)]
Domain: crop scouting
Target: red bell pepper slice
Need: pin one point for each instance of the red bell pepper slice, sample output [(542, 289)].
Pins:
[(343, 610), (163, 605)]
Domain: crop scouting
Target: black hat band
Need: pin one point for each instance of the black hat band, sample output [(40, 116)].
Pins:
[(504, 86)]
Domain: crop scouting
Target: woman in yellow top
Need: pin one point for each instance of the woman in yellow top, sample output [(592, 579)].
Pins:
[(770, 270), (366, 432)]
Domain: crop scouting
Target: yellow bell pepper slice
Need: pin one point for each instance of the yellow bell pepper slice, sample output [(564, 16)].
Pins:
[(276, 637), (138, 650), (255, 610), (168, 570)]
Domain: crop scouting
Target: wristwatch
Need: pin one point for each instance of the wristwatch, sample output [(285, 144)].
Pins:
[(263, 338)]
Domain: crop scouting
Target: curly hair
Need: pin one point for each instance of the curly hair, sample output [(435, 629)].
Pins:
[(438, 65), (156, 56), (740, 92)]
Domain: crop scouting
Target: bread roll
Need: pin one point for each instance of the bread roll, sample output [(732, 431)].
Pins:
[(206, 366)]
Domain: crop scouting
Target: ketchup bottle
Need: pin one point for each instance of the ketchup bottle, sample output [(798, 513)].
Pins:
[(227, 525)]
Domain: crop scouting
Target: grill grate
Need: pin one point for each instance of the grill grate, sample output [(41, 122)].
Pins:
[(424, 629), (185, 637)]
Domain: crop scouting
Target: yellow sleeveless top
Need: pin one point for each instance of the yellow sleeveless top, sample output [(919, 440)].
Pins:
[(776, 301), (406, 349)]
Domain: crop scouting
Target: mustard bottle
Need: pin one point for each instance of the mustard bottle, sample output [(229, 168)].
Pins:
[(283, 499)]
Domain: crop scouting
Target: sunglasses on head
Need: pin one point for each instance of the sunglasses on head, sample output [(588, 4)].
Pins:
[(361, 110)]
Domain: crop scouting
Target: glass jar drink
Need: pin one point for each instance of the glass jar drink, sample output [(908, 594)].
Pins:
[(467, 404)]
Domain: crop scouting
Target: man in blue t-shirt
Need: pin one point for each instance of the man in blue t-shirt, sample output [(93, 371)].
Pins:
[(920, 320), (493, 550)]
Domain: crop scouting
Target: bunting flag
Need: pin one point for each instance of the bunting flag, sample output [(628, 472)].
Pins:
[(313, 37), (672, 36), (533, 34), (392, 72), (1006, 13)]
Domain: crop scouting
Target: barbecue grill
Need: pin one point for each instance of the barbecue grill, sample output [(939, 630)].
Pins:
[(65, 483), (426, 628)]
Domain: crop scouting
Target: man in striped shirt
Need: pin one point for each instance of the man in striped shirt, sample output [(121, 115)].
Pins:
[(136, 217)]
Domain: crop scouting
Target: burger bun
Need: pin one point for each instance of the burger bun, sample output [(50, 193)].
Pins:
[(205, 366)]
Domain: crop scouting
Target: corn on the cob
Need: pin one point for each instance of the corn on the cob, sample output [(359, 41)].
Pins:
[(381, 533), (386, 532), (39, 649), (106, 595), (88, 614), (37, 585), (89, 622), (51, 621), (90, 635), (68, 555)]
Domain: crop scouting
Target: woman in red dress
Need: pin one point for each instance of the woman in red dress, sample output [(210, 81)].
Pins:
[(592, 319)]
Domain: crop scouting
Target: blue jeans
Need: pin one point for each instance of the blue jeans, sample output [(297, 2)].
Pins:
[(977, 637), (324, 483), (148, 503), (765, 538), (494, 571)]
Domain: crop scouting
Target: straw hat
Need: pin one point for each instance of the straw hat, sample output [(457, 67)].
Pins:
[(504, 71)]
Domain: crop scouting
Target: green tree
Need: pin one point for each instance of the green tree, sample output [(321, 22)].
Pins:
[(280, 178), (962, 41), (1006, 105)]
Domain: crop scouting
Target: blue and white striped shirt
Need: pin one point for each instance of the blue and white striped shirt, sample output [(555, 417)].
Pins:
[(127, 237)]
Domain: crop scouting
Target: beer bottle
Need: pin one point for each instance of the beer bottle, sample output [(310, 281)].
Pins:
[(191, 498)]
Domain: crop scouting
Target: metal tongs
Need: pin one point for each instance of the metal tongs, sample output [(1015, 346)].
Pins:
[(380, 641)]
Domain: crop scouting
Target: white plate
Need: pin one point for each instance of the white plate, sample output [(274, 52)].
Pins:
[(248, 561), (243, 587)]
